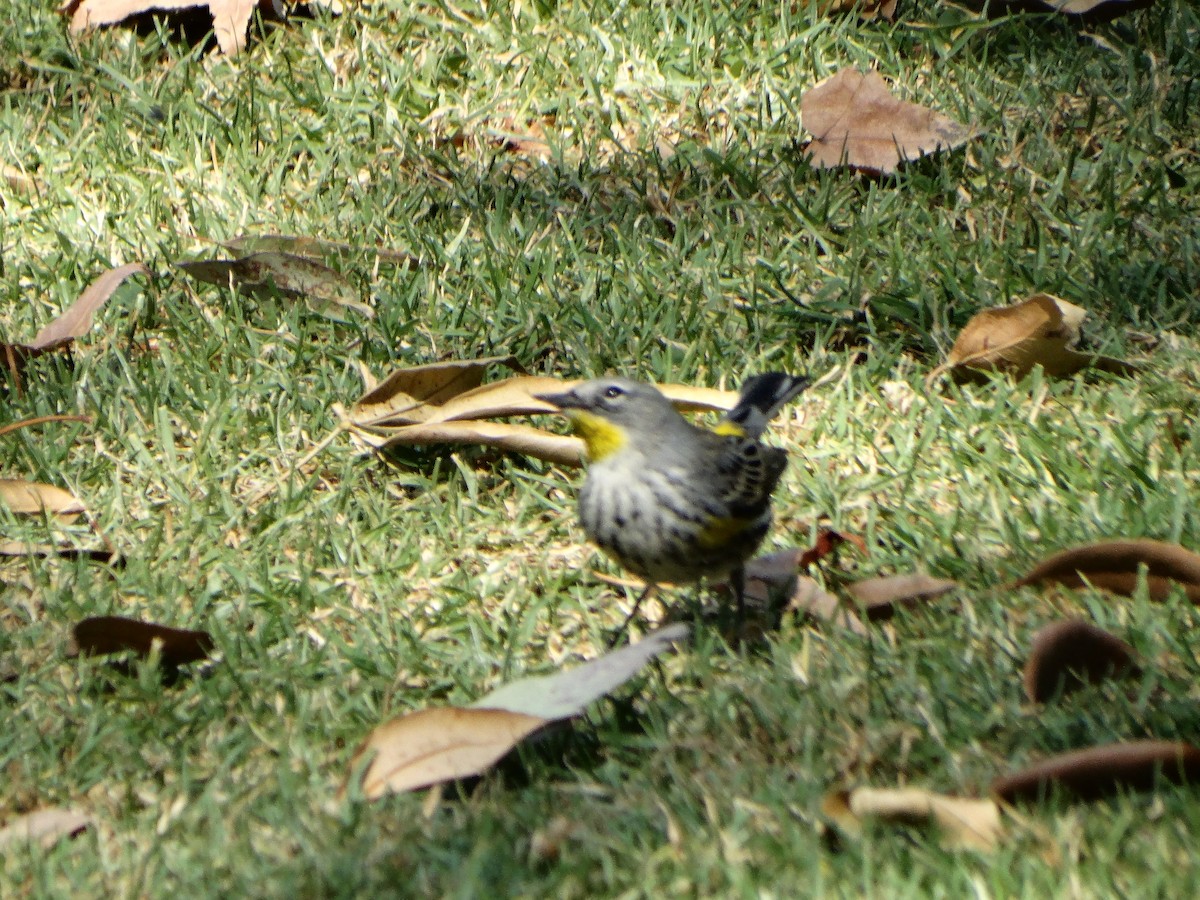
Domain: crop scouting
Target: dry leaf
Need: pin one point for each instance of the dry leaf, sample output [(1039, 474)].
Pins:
[(1079, 7), (964, 823), (100, 635), (1114, 566), (416, 394), (231, 18), (826, 543), (559, 449), (261, 274), (879, 597), (441, 403), (865, 9), (856, 121), (46, 826), (566, 694), (1068, 654), (65, 551), (435, 745), (1039, 331), (73, 322), (1100, 771), (315, 249), (28, 498)]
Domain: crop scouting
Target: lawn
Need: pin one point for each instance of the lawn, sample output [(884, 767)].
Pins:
[(591, 188)]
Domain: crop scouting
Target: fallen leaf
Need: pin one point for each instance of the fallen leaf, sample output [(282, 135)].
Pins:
[(435, 745), (416, 394), (45, 826), (810, 599), (864, 9), (963, 823), (29, 498), (559, 449), (1070, 653), (443, 403), (262, 274), (315, 249), (445, 743), (73, 322), (1114, 566), (40, 420), (565, 694), (1101, 771), (65, 551), (879, 597), (856, 121), (100, 635), (1038, 331), (1079, 7), (230, 17)]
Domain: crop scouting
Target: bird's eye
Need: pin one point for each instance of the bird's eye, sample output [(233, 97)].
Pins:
[(613, 392)]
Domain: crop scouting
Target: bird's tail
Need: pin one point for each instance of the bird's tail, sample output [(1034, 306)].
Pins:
[(761, 398)]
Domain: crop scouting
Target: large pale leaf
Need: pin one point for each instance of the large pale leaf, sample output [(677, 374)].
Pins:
[(880, 597), (435, 745), (856, 121), (315, 248), (230, 17), (30, 498), (43, 826), (962, 822), (1038, 331), (418, 393), (76, 320), (566, 694), (560, 449)]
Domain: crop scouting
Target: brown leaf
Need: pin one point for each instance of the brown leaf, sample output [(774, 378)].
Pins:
[(417, 394), (963, 822), (315, 249), (29, 498), (101, 635), (1038, 331), (76, 320), (40, 420), (856, 121), (560, 449), (261, 274), (865, 9), (71, 323), (810, 599), (1114, 565), (1100, 771), (1070, 653), (65, 551), (879, 597), (45, 826), (435, 745), (230, 17)]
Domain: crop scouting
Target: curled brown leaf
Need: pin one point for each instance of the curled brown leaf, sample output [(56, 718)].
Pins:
[(1114, 566), (1068, 654), (1100, 771)]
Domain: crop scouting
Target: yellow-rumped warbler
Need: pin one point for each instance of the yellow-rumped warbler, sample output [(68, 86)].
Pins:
[(668, 500)]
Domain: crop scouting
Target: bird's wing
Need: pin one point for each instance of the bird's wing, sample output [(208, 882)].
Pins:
[(747, 473)]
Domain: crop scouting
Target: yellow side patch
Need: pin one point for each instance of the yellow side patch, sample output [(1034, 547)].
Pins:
[(602, 437), (729, 429), (719, 532)]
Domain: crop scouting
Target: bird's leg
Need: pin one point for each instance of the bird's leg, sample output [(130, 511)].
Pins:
[(633, 612), (737, 581)]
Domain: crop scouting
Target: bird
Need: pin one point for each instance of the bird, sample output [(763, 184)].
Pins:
[(669, 500)]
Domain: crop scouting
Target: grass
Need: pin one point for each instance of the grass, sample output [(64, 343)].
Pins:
[(674, 232)]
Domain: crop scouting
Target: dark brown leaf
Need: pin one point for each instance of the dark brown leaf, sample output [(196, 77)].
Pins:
[(1114, 565), (1068, 654), (1100, 771), (101, 635)]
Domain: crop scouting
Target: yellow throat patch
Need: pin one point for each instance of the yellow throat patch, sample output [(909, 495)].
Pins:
[(602, 437)]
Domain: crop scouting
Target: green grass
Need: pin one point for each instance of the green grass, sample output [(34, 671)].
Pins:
[(359, 589)]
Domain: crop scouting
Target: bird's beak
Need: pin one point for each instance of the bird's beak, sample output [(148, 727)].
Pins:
[(565, 400)]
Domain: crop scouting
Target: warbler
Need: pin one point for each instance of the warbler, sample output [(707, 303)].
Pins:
[(668, 500)]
